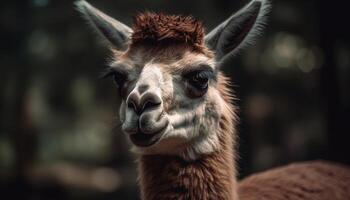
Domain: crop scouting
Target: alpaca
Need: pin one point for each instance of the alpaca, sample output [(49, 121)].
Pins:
[(178, 113)]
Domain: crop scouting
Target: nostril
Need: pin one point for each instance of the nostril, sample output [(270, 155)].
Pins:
[(147, 101), (133, 102), (131, 105), (150, 104)]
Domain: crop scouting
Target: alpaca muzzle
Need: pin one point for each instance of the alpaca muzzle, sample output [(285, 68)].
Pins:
[(149, 119)]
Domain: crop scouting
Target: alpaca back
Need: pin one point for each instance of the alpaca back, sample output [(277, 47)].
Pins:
[(318, 180)]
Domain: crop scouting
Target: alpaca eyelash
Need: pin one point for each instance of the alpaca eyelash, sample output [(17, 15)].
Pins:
[(202, 69), (106, 73), (200, 74), (111, 72), (205, 74)]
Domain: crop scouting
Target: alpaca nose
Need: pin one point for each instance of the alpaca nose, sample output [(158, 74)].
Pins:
[(147, 101)]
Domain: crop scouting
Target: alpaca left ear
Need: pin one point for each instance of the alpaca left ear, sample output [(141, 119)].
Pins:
[(117, 33), (239, 30)]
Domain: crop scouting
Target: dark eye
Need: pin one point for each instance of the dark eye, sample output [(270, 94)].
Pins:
[(199, 80), (197, 83), (119, 77)]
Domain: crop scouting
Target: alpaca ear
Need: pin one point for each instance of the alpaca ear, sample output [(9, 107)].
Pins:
[(117, 33), (239, 30)]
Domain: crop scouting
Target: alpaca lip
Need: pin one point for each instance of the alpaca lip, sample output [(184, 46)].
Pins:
[(144, 140)]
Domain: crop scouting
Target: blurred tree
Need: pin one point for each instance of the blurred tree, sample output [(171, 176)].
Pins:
[(18, 121), (333, 17)]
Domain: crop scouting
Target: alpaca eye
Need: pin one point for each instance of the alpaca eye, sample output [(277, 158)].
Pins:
[(197, 83), (119, 78)]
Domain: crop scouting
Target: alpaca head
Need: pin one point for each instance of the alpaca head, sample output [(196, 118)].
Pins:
[(167, 71)]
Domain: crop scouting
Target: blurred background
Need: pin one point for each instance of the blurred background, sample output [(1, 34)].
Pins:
[(59, 137)]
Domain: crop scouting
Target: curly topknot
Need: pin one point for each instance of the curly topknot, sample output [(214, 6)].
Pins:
[(153, 28)]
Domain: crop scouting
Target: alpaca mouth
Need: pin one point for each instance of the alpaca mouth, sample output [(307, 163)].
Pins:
[(145, 140)]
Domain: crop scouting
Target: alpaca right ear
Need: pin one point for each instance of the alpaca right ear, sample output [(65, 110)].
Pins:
[(117, 33), (239, 30)]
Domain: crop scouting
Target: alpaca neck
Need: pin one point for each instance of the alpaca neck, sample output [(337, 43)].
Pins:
[(209, 177), (169, 177)]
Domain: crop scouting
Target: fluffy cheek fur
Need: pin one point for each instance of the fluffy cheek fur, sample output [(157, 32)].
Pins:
[(205, 137)]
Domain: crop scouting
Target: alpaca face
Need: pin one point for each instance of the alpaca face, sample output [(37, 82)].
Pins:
[(170, 100), (167, 73)]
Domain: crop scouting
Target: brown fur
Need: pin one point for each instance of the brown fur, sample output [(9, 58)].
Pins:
[(303, 181), (210, 178), (160, 29), (213, 177)]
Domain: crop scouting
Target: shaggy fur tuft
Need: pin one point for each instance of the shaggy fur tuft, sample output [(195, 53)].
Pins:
[(152, 28)]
